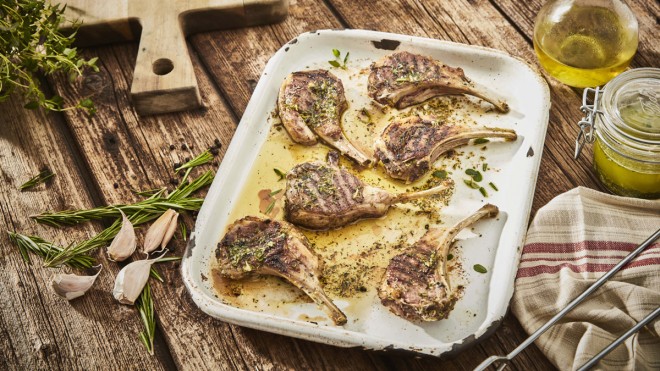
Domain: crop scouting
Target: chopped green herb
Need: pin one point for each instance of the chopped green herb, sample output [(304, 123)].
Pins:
[(480, 268), (270, 207), (475, 174), (470, 183), (42, 177), (184, 232), (279, 173), (440, 174), (492, 185), (483, 191), (338, 60), (450, 256), (273, 193), (484, 167), (481, 141)]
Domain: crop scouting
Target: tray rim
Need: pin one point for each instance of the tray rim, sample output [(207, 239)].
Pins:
[(497, 307)]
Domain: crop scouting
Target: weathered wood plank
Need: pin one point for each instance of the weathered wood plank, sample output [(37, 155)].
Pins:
[(38, 329)]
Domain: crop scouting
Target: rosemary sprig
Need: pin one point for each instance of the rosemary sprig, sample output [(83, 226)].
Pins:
[(46, 250), (157, 204), (154, 273), (145, 306), (138, 213), (201, 159), (42, 177)]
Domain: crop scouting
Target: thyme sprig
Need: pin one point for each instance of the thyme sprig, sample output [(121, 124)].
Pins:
[(339, 62), (31, 44), (42, 177), (145, 306)]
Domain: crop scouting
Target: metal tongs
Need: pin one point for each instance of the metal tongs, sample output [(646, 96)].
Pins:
[(505, 359)]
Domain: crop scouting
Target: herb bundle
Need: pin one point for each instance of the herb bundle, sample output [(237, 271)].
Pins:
[(31, 44)]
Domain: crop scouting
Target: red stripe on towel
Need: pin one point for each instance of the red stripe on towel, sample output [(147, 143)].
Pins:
[(570, 247), (580, 268)]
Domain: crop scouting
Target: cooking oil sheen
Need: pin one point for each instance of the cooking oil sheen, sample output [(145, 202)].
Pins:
[(587, 47)]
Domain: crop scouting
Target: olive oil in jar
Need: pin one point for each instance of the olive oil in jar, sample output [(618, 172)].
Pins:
[(585, 45)]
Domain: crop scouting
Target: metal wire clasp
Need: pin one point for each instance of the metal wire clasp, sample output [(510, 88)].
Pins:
[(587, 125)]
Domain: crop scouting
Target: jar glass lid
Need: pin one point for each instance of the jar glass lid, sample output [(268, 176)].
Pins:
[(632, 100)]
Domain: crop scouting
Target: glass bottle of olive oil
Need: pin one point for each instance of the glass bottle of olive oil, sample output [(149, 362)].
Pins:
[(585, 43)]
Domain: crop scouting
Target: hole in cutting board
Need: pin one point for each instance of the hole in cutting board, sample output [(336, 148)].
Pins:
[(162, 66)]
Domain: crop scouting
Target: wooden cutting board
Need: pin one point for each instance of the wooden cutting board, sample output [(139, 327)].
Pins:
[(164, 80)]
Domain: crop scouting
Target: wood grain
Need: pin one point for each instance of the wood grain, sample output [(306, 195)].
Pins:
[(38, 329), (102, 160)]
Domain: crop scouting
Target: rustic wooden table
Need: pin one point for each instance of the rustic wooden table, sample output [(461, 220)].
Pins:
[(100, 160)]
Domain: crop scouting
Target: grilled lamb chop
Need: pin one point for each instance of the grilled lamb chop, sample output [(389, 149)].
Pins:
[(403, 79), (264, 246), (408, 147), (416, 284), (312, 103), (322, 195)]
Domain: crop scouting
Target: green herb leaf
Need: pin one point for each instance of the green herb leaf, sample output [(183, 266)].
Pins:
[(480, 268), (32, 45), (475, 174), (334, 63), (483, 191), (450, 256), (481, 141), (273, 193), (145, 306), (470, 183), (336, 53), (346, 59), (42, 177), (270, 207), (484, 167), (280, 174), (493, 186), (440, 174)]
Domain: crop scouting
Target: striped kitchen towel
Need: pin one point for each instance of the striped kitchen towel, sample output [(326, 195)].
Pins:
[(572, 241)]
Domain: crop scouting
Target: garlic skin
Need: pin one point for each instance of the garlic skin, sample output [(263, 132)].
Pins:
[(131, 280), (161, 232), (124, 243), (71, 286)]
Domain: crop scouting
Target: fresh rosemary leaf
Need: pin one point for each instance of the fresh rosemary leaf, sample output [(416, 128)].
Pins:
[(346, 59), (493, 186), (44, 249), (201, 159), (279, 173), (42, 177), (184, 231), (154, 273), (145, 306), (483, 191), (270, 207), (484, 167), (481, 141), (273, 193)]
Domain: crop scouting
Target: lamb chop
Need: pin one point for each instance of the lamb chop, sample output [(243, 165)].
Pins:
[(264, 246), (408, 147), (312, 103), (416, 284), (404, 79), (322, 195)]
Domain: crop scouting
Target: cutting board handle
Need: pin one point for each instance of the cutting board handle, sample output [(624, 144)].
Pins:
[(164, 78)]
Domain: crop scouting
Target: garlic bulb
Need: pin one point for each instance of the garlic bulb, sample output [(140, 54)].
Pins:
[(131, 280), (161, 232), (124, 243), (71, 286)]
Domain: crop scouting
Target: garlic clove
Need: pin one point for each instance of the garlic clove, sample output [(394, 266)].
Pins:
[(131, 280), (171, 228), (158, 230), (124, 243), (71, 286)]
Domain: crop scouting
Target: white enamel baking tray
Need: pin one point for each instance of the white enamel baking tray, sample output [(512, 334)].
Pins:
[(486, 297)]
